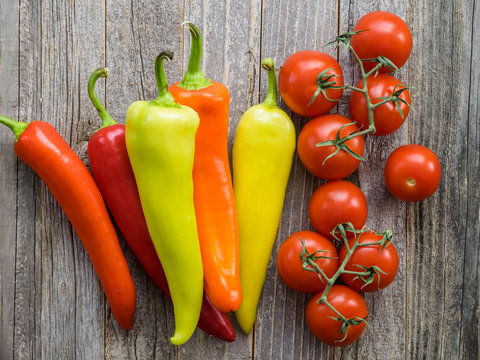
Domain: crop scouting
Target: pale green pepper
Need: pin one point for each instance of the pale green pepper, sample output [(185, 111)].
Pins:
[(160, 138), (262, 159)]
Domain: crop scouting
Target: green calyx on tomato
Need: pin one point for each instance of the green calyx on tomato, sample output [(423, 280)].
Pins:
[(333, 159), (340, 318), (324, 82), (305, 260), (389, 100), (373, 265), (310, 82)]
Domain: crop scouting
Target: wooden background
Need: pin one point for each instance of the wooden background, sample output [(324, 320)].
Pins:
[(52, 304)]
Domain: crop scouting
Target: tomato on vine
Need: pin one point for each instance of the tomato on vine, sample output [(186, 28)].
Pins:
[(382, 33), (389, 115), (329, 162), (327, 325), (337, 202), (297, 256), (375, 265), (412, 172), (310, 82)]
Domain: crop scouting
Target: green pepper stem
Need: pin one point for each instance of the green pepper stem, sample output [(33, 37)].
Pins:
[(17, 127), (271, 98), (107, 120), (164, 98), (194, 78)]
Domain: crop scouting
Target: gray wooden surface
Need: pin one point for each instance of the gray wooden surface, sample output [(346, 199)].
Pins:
[(51, 302)]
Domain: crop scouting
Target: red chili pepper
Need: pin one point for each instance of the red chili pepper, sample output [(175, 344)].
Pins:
[(114, 175), (42, 148)]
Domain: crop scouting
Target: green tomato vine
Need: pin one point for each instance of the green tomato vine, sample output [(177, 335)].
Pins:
[(325, 82), (340, 234)]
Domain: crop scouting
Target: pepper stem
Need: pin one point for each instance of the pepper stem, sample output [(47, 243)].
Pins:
[(17, 127), (164, 97), (194, 78), (107, 120), (271, 98)]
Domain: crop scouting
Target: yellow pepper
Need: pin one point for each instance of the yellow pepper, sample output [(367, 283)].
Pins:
[(262, 159), (160, 138)]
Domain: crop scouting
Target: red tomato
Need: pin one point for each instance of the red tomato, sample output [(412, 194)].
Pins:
[(290, 266), (386, 259), (386, 35), (319, 316), (337, 202), (297, 82), (324, 128), (412, 172), (386, 117)]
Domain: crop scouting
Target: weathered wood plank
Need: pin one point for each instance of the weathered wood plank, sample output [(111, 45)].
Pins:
[(281, 331), (65, 300), (469, 333), (231, 47), (384, 336), (88, 52), (28, 276), (137, 31), (8, 169), (443, 231)]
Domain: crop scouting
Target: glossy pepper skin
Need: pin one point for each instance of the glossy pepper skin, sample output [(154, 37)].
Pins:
[(160, 138), (262, 158), (213, 192), (42, 148), (110, 165)]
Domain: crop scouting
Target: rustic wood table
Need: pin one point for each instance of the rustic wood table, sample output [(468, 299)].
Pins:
[(52, 303)]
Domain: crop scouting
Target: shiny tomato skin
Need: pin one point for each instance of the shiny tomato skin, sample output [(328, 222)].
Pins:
[(367, 256), (412, 173), (349, 303), (322, 128), (337, 202), (290, 267), (387, 118), (387, 35), (297, 82)]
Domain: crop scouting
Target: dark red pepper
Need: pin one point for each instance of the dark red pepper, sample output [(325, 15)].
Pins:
[(113, 173)]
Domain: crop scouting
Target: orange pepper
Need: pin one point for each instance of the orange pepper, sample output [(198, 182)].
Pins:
[(213, 192)]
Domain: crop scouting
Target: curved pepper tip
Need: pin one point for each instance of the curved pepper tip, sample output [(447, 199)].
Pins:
[(178, 339)]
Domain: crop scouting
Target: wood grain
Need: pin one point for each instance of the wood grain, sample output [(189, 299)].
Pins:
[(52, 305), (8, 179), (442, 292)]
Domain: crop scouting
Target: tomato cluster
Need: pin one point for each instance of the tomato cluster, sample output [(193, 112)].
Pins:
[(308, 262), (331, 147)]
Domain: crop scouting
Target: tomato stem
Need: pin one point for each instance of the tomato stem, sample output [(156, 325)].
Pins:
[(345, 39), (342, 229)]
